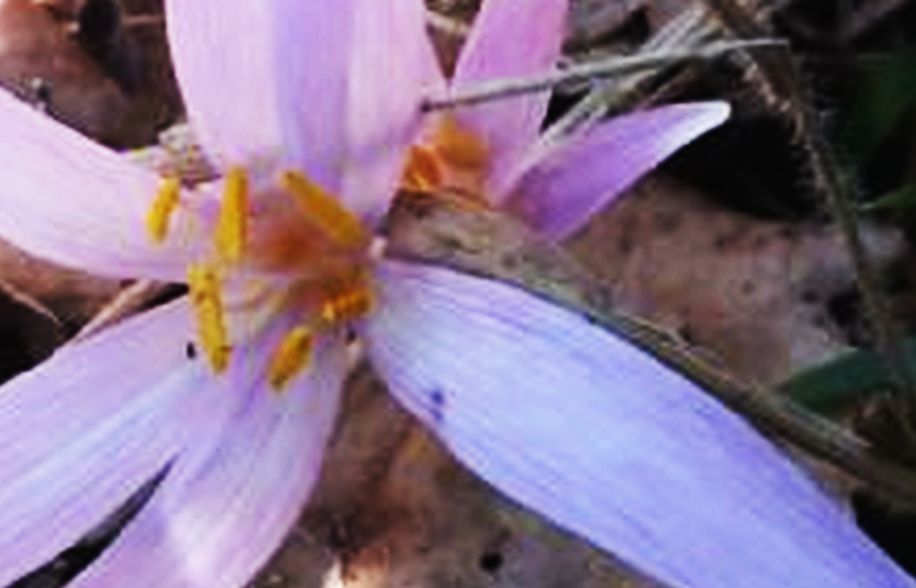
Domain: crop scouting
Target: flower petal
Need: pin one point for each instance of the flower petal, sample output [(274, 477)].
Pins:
[(77, 203), (510, 39), (391, 63), (227, 504), (597, 435), (331, 88), (558, 194), (83, 431), (224, 60), (314, 41)]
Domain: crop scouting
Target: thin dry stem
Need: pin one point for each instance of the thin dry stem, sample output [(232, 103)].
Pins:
[(447, 25), (619, 66), (129, 301)]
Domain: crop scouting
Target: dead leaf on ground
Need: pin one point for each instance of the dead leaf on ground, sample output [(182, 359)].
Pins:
[(115, 87), (760, 294)]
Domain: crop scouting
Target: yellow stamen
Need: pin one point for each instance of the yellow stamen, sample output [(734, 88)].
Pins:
[(338, 223), (208, 306), (347, 305), (422, 172), (232, 226), (157, 219), (291, 357)]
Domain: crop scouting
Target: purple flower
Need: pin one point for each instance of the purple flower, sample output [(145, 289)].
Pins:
[(494, 153), (293, 100)]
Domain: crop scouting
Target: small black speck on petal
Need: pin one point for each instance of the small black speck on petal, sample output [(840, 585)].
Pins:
[(437, 405)]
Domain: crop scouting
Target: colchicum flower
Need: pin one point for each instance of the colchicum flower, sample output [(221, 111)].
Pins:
[(309, 110)]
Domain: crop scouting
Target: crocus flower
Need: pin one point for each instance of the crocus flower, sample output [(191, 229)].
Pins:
[(495, 154), (292, 99)]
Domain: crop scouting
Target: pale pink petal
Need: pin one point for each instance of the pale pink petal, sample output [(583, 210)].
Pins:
[(228, 503), (83, 431), (434, 83), (391, 64), (314, 42), (510, 39), (595, 434), (570, 184), (224, 60), (67, 199), (329, 88)]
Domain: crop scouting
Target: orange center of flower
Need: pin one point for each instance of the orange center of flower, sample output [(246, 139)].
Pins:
[(451, 157), (318, 247)]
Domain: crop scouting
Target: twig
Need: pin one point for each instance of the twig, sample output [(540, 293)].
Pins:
[(505, 88), (447, 25), (143, 20), (127, 302), (428, 229), (688, 31), (870, 15)]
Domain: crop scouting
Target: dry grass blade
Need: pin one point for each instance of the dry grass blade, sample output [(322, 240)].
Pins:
[(618, 66)]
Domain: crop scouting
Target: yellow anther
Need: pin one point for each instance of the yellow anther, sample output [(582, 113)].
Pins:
[(232, 226), (347, 305), (207, 299), (292, 355), (423, 172), (460, 147), (339, 224), (160, 213)]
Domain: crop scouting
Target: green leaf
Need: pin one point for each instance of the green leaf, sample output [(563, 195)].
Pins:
[(885, 91), (845, 379), (902, 199)]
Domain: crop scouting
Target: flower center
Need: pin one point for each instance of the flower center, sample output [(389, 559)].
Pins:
[(451, 157), (312, 250)]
